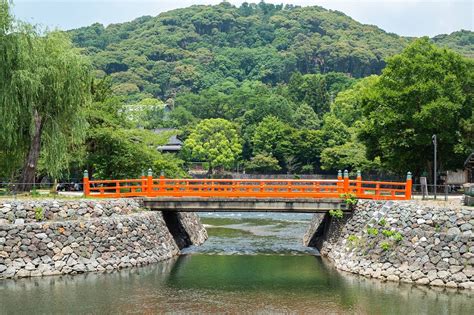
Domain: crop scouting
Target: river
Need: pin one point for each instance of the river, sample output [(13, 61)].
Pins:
[(252, 263)]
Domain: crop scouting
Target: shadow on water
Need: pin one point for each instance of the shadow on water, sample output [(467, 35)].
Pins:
[(278, 275)]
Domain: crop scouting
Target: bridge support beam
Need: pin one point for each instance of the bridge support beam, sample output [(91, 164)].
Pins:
[(196, 204)]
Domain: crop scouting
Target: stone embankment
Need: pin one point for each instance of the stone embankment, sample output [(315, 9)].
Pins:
[(50, 237), (400, 241)]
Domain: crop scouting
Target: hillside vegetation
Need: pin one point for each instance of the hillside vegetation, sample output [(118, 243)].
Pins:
[(197, 47)]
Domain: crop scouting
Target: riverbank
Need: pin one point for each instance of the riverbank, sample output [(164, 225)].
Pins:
[(400, 241), (54, 237)]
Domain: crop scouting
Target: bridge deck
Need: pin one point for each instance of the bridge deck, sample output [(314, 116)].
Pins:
[(197, 204)]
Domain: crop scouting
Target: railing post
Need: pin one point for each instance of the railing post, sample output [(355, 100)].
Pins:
[(143, 182), (149, 184), (162, 183), (346, 181), (408, 186), (117, 188), (86, 185), (359, 183), (339, 182)]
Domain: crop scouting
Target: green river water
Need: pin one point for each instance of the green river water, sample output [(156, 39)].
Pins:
[(252, 263)]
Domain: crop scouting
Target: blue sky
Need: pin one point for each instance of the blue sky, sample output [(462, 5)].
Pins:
[(404, 17)]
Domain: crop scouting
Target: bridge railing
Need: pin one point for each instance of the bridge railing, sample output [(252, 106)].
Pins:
[(147, 186)]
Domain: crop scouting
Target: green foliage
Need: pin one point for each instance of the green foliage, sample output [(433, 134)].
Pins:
[(397, 236), (461, 41), (272, 138), (44, 86), (114, 149), (388, 233), (385, 246), (352, 238), (423, 91), (372, 231), (262, 164), (304, 117), (350, 199), (200, 46), (383, 222), (39, 214), (34, 193), (337, 214), (215, 141)]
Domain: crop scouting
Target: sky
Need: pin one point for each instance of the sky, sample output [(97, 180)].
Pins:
[(403, 17)]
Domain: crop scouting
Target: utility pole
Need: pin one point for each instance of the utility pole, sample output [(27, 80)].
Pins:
[(435, 144)]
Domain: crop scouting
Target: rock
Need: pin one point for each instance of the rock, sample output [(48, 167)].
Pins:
[(453, 231), (443, 274), (437, 282), (417, 275), (2, 268), (9, 272), (41, 235), (19, 221), (393, 278), (467, 285), (23, 273), (29, 266), (459, 277), (71, 262), (67, 250), (420, 221), (432, 275), (58, 265), (422, 281)]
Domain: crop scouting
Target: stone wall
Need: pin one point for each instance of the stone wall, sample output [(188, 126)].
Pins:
[(26, 211), (84, 236), (401, 241)]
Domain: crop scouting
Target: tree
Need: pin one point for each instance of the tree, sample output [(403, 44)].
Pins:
[(272, 137), (214, 141), (350, 155), (347, 106), (262, 163), (115, 149), (305, 118), (423, 91), (44, 84)]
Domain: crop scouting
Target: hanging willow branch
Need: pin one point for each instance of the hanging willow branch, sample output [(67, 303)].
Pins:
[(44, 84)]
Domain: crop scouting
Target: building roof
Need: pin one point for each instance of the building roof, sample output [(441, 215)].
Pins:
[(469, 160), (173, 144)]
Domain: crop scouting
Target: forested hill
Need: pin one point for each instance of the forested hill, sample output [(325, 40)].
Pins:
[(197, 47)]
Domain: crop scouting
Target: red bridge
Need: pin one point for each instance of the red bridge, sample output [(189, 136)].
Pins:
[(147, 186)]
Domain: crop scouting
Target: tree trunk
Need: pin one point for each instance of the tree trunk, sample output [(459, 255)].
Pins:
[(27, 177)]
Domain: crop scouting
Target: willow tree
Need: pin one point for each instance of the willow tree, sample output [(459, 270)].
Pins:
[(44, 84)]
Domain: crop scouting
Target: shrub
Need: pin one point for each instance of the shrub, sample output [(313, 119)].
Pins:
[(352, 238), (398, 237), (350, 199), (383, 222), (388, 233), (372, 231), (385, 246), (39, 214), (338, 214)]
